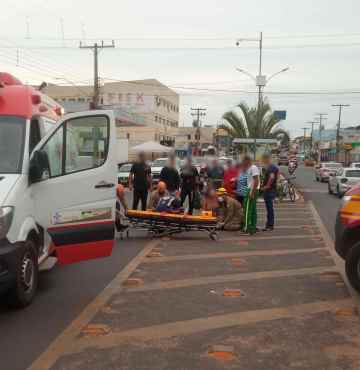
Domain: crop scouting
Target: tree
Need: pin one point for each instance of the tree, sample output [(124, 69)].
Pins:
[(254, 124)]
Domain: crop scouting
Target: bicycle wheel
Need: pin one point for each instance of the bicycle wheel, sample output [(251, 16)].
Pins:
[(292, 193)]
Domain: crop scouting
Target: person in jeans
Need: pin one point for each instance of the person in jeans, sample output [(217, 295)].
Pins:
[(170, 176), (269, 190), (241, 184), (253, 184), (140, 181), (189, 179)]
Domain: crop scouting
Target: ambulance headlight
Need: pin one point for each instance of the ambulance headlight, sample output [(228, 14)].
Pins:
[(6, 216)]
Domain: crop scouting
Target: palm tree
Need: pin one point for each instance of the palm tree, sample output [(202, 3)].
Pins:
[(260, 124)]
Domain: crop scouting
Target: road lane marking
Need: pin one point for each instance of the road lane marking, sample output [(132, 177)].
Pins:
[(188, 327), (188, 257), (206, 280), (331, 248), (244, 237), (61, 344)]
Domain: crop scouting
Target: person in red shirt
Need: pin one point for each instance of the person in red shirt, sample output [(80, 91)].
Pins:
[(230, 176)]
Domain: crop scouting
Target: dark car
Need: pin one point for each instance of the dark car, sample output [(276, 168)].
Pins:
[(347, 235)]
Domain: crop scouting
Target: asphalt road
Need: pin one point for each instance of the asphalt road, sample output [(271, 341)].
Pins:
[(327, 205), (64, 292)]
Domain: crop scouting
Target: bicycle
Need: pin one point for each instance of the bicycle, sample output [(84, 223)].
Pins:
[(286, 189)]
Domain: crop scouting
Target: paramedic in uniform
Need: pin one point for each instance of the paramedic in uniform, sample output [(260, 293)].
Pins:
[(230, 211)]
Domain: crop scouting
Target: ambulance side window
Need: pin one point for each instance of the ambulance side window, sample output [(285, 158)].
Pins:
[(35, 135), (79, 144), (55, 151), (86, 143)]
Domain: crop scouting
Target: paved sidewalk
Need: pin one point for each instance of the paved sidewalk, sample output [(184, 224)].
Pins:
[(273, 301)]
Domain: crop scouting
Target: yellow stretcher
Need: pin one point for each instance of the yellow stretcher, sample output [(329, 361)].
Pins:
[(162, 223)]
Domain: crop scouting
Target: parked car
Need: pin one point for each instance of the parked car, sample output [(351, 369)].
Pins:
[(347, 235), (344, 179), (355, 165), (325, 169), (124, 173), (156, 168), (158, 165)]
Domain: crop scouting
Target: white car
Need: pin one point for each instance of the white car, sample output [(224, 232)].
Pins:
[(355, 165), (124, 173), (343, 180), (158, 165), (324, 170)]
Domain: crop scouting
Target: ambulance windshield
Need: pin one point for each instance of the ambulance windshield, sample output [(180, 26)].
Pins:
[(12, 134)]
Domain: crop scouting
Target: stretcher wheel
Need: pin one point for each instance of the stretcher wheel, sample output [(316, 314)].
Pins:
[(214, 236)]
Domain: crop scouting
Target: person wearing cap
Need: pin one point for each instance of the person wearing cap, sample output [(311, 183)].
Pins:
[(140, 181), (157, 194), (170, 175), (269, 190), (230, 214), (253, 185)]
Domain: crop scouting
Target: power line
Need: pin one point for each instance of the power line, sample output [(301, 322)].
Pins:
[(198, 112)]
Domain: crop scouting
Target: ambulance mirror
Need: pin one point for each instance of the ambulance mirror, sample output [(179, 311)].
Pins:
[(39, 169)]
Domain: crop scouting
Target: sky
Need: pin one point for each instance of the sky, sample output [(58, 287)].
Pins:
[(190, 46)]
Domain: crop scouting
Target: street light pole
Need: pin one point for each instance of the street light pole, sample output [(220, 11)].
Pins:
[(340, 106)]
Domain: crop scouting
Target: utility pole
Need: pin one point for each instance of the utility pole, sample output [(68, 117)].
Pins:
[(305, 129), (198, 112), (340, 106), (312, 123), (260, 72), (95, 48)]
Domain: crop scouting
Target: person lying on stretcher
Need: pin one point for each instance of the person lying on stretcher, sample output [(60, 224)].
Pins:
[(162, 201)]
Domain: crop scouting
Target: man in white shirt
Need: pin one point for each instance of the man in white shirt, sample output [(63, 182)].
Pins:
[(250, 213)]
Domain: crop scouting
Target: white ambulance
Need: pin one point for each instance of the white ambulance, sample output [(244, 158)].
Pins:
[(57, 187)]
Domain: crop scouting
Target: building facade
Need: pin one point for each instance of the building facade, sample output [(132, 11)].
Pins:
[(145, 110)]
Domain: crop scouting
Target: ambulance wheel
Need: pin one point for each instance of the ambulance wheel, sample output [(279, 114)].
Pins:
[(26, 277), (352, 266)]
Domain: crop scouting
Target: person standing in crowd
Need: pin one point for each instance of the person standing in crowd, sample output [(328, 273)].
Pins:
[(215, 174), (140, 181), (230, 175), (269, 190), (170, 175), (241, 184), (253, 184), (157, 194), (189, 180)]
